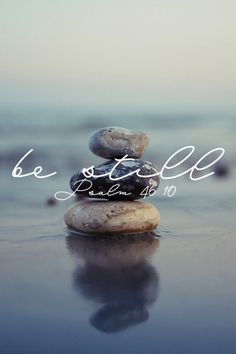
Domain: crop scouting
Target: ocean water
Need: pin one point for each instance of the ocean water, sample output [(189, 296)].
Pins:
[(173, 292)]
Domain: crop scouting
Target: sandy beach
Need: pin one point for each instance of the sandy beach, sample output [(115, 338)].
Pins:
[(173, 292)]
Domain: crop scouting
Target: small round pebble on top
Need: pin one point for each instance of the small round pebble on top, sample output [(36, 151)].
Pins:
[(115, 142)]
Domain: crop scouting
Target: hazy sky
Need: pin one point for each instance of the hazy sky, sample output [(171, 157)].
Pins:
[(161, 54)]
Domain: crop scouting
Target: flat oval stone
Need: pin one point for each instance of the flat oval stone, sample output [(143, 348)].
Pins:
[(103, 217), (111, 142), (128, 188)]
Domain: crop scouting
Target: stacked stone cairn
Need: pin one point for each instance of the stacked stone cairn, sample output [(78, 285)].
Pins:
[(110, 206)]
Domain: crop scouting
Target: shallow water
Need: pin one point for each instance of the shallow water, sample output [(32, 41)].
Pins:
[(61, 293)]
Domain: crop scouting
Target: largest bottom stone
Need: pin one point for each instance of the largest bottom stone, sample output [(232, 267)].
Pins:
[(99, 217)]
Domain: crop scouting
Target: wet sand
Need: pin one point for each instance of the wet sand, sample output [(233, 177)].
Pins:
[(60, 293), (174, 293)]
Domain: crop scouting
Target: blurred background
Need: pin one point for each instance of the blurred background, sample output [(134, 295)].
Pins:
[(119, 56), (69, 67)]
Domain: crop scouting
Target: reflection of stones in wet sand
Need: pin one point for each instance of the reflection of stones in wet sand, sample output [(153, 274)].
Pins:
[(115, 273), (112, 318), (120, 251)]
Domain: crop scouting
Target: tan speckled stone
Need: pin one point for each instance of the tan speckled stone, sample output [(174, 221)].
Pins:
[(99, 217), (112, 142)]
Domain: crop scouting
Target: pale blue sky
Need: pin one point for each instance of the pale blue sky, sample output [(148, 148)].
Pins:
[(161, 55)]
